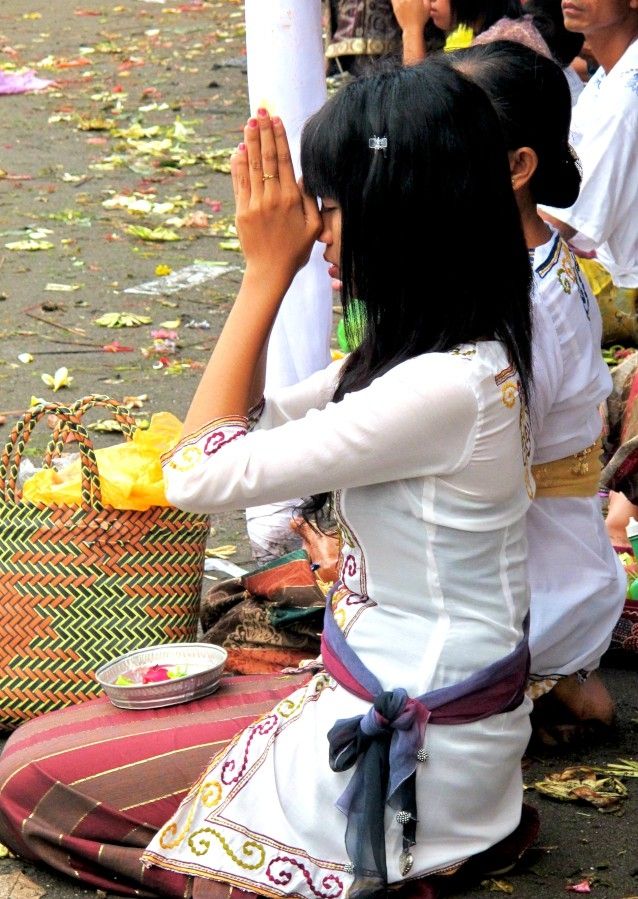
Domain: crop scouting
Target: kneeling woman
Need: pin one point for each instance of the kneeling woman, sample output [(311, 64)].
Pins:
[(401, 759)]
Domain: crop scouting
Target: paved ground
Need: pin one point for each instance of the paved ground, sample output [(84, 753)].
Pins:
[(150, 95)]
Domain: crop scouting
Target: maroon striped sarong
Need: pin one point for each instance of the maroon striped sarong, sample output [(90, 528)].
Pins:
[(86, 788)]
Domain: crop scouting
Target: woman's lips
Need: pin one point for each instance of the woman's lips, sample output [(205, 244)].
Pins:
[(334, 271)]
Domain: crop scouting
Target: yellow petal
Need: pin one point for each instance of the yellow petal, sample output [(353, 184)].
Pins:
[(61, 378)]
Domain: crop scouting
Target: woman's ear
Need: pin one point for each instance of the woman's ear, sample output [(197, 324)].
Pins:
[(523, 164)]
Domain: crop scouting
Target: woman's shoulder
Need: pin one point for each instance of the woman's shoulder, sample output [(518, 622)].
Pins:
[(464, 367)]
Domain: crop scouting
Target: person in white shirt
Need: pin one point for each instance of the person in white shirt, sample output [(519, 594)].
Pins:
[(604, 135), (577, 583)]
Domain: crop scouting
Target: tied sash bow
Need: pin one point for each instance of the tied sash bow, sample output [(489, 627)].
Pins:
[(384, 742)]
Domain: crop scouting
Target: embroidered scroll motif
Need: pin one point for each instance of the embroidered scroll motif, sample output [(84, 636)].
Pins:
[(220, 438), (199, 845), (263, 727), (331, 884)]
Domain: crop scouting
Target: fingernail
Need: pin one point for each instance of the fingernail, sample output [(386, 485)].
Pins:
[(241, 147), (252, 123), (275, 120), (261, 111)]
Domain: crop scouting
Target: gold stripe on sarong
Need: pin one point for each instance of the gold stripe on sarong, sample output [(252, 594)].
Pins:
[(575, 475)]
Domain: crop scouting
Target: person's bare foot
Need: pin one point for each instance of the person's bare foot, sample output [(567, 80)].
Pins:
[(588, 700), (573, 712), (323, 549)]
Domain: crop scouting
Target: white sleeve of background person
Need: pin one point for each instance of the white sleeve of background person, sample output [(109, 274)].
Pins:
[(286, 74)]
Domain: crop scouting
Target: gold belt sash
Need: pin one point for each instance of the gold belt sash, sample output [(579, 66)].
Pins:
[(576, 475)]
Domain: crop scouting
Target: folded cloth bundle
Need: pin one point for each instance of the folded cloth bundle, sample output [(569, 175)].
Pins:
[(268, 619)]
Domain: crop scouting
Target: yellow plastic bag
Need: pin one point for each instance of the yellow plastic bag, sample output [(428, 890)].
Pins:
[(130, 473), (460, 38), (618, 305)]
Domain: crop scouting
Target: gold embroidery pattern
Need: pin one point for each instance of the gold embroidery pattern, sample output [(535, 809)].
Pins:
[(211, 793), (566, 274), (188, 458), (321, 682), (170, 836), (287, 707), (466, 351), (581, 461), (526, 444), (249, 848), (509, 392)]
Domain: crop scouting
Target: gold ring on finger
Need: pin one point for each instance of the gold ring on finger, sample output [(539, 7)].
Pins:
[(268, 177)]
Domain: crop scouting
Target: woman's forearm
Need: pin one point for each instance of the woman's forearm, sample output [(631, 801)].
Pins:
[(233, 380), (414, 49), (277, 226)]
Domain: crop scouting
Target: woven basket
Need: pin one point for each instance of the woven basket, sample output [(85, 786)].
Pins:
[(80, 585)]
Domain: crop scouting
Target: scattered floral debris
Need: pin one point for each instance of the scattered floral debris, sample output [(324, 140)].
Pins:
[(122, 320), (61, 378)]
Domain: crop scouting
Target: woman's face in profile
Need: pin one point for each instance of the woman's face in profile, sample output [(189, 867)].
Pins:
[(331, 234), (441, 14)]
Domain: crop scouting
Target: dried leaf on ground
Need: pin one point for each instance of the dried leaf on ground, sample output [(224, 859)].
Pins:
[(159, 234), (497, 886), (5, 853), (135, 402), (122, 320), (583, 783), (222, 552), (106, 426), (623, 768), (61, 288), (29, 245)]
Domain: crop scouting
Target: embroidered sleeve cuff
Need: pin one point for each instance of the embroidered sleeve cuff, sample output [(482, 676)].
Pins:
[(205, 442)]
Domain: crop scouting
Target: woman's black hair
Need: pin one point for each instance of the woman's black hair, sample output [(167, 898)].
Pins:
[(481, 16), (548, 18), (532, 100), (432, 245)]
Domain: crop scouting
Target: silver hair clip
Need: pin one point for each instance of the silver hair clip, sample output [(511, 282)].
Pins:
[(378, 143)]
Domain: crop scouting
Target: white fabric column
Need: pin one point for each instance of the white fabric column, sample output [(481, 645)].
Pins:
[(286, 74)]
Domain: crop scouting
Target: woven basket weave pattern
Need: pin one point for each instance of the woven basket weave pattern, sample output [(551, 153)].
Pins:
[(82, 585)]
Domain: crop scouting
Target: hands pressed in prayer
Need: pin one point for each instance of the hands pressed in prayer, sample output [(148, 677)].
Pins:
[(277, 222)]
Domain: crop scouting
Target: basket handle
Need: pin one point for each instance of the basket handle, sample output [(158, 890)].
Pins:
[(77, 410), (91, 491)]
